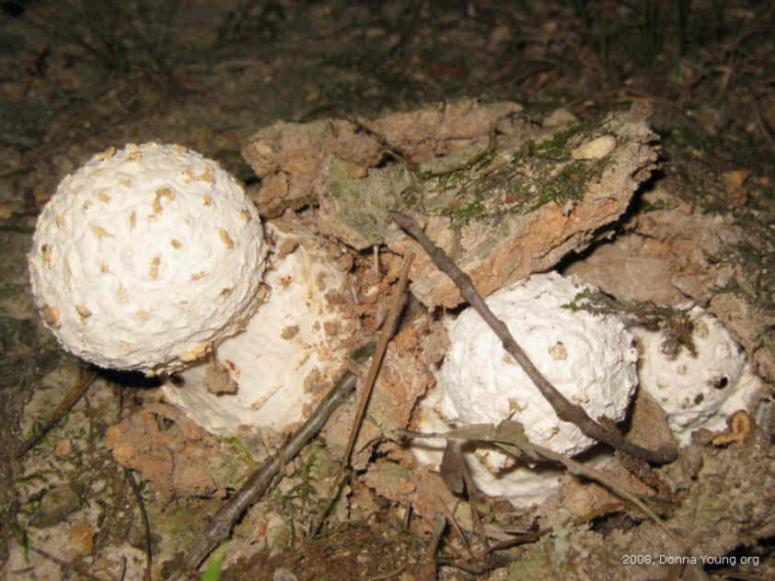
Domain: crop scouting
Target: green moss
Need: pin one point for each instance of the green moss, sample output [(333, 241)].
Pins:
[(242, 451), (568, 184), (468, 212), (557, 147), (474, 184)]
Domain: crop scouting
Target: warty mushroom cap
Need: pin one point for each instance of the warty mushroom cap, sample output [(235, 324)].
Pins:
[(697, 390), (589, 358), (145, 256)]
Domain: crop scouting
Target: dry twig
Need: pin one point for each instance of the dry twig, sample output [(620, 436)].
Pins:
[(578, 469), (519, 446), (388, 329), (80, 569), (564, 409), (386, 146), (146, 522), (428, 568), (376, 362), (72, 397), (489, 563)]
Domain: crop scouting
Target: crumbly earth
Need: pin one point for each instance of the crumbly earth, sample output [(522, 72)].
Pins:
[(79, 77)]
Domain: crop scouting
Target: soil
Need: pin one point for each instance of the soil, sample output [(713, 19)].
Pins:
[(124, 476)]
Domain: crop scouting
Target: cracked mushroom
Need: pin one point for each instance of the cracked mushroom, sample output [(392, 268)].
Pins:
[(145, 257), (274, 372)]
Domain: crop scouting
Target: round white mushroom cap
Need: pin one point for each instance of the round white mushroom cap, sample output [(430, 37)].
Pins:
[(273, 373), (145, 256), (698, 390), (522, 486), (589, 358)]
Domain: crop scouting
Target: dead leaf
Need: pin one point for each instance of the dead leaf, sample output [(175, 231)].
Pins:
[(453, 468)]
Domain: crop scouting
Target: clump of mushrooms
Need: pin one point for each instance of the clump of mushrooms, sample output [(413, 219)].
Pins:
[(151, 258), (145, 257)]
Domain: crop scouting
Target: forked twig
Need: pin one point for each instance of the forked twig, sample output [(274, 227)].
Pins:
[(564, 409), (388, 329), (72, 398), (254, 488)]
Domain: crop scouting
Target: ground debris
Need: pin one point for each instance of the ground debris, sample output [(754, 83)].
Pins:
[(495, 189), (725, 508), (673, 254), (351, 552), (174, 454)]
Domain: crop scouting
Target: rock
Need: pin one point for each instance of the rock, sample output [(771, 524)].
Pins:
[(55, 506), (491, 186)]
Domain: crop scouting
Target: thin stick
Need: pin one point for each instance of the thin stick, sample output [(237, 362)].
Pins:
[(564, 409), (376, 361), (490, 562), (254, 488), (146, 522), (384, 144), (80, 569), (578, 469), (72, 397), (516, 541), (429, 569), (575, 468)]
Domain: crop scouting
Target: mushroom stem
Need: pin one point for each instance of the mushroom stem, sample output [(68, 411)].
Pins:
[(564, 409)]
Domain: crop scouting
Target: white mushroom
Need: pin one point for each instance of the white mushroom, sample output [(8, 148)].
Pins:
[(272, 374), (522, 485), (698, 390), (590, 358), (146, 256)]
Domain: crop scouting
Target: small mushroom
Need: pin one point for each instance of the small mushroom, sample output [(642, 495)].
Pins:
[(129, 258), (588, 357), (290, 352), (698, 390)]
